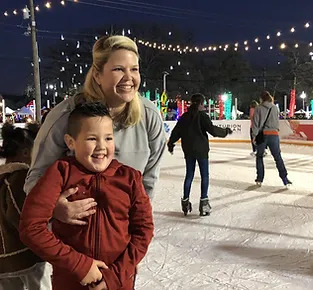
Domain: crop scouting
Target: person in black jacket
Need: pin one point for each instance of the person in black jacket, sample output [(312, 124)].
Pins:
[(192, 129)]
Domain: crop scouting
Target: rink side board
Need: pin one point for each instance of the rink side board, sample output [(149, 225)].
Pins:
[(298, 132)]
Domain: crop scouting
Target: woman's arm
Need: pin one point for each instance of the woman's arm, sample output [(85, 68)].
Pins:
[(157, 142), (48, 147)]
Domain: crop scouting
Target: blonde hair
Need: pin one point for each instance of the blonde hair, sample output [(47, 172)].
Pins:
[(101, 53)]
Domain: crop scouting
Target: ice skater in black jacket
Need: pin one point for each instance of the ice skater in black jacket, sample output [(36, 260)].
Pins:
[(192, 129)]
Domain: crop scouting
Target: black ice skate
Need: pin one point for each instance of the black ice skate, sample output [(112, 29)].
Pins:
[(186, 206), (204, 207)]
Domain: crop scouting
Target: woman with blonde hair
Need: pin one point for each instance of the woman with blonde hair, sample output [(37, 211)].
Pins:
[(266, 119), (113, 79)]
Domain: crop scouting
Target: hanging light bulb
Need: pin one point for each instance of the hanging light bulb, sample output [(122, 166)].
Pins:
[(292, 30), (48, 5), (37, 8), (296, 45), (307, 25), (246, 42), (268, 36), (6, 13), (78, 44), (283, 46), (14, 12), (256, 40), (278, 33), (62, 37), (62, 2)]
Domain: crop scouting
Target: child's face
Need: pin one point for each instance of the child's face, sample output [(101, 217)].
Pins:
[(94, 145)]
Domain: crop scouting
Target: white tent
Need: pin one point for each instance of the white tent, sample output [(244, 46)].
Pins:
[(9, 110)]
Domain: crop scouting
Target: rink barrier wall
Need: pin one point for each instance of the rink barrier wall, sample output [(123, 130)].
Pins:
[(297, 132)]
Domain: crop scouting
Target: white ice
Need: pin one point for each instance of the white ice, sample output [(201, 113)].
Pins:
[(255, 238)]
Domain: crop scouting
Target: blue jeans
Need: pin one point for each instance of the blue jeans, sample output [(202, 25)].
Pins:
[(272, 142), (190, 172), (252, 144)]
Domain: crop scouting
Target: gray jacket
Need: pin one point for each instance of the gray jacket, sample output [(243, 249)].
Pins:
[(140, 146), (260, 113)]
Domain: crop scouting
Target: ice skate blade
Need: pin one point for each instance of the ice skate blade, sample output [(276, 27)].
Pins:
[(259, 183), (288, 186)]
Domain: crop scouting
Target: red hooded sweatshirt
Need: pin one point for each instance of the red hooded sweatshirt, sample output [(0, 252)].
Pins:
[(117, 234)]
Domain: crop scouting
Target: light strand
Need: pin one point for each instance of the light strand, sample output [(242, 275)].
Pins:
[(257, 40)]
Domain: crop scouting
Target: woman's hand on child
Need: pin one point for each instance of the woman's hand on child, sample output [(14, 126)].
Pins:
[(101, 286), (72, 212), (94, 275)]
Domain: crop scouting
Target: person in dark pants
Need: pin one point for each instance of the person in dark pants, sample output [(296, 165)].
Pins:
[(253, 105), (192, 129), (271, 137)]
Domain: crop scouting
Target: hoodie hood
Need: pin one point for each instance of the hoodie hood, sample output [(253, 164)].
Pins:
[(267, 104), (11, 167)]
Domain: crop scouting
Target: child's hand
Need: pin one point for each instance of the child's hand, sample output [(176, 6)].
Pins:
[(94, 275), (101, 286)]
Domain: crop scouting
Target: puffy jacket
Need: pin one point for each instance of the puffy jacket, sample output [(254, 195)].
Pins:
[(118, 233), (193, 134), (14, 255)]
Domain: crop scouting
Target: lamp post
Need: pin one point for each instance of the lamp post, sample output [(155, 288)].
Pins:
[(165, 74), (303, 96), (36, 62)]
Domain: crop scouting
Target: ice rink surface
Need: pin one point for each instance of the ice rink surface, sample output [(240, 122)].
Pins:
[(255, 237)]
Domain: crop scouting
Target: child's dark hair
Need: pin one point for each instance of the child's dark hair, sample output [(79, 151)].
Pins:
[(16, 139), (83, 110), (196, 101)]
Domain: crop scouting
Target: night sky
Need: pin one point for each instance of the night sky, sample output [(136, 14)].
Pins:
[(220, 21)]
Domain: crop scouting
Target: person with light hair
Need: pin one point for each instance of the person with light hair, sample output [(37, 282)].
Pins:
[(114, 80)]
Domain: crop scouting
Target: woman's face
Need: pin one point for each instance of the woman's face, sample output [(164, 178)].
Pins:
[(119, 78)]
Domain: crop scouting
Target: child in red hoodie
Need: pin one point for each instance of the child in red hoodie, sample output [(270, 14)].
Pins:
[(104, 253)]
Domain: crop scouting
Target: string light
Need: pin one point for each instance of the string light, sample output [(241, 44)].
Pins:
[(283, 46), (177, 48)]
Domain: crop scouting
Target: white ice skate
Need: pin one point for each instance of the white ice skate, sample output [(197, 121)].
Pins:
[(258, 183), (287, 183)]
